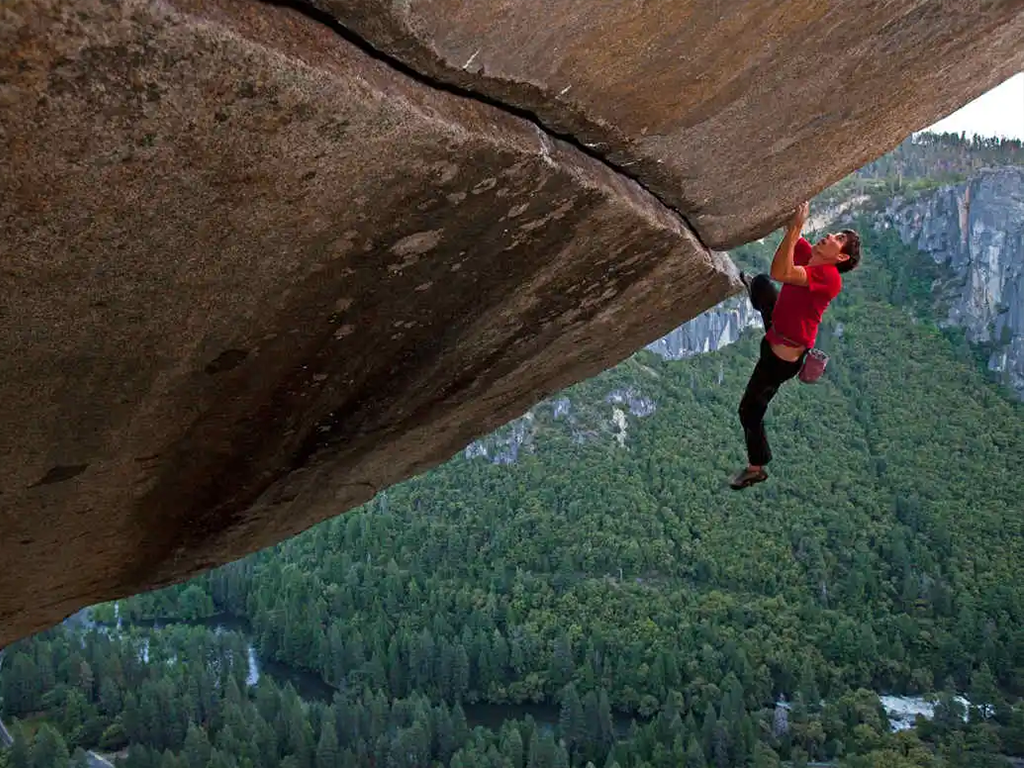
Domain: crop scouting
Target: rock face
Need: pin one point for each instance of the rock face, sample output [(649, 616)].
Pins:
[(609, 418), (731, 111), (717, 328), (252, 276), (977, 230), (253, 272)]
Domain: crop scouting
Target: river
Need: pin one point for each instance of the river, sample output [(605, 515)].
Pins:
[(312, 687), (901, 710)]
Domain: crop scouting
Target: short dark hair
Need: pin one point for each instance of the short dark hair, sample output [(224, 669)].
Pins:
[(851, 247)]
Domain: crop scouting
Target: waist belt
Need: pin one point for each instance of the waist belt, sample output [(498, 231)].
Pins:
[(786, 338)]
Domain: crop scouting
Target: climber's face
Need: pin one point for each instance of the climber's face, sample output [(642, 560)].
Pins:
[(829, 250)]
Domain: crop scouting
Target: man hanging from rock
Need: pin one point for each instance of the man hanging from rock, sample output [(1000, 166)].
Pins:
[(811, 278)]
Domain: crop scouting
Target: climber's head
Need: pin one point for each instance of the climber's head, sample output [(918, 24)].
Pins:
[(839, 248)]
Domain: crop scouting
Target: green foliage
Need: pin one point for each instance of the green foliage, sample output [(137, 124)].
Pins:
[(113, 737), (614, 582), (20, 753), (49, 749), (592, 572)]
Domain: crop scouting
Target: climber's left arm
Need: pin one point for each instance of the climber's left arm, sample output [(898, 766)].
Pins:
[(783, 268)]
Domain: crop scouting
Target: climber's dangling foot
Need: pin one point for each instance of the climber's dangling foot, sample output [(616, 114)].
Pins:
[(747, 477)]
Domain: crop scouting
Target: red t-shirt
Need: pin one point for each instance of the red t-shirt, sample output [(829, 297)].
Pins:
[(799, 308)]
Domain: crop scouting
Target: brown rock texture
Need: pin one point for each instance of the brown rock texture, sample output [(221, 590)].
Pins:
[(251, 275), (260, 262), (730, 111)]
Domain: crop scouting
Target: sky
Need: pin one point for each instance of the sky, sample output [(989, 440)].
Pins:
[(1000, 112)]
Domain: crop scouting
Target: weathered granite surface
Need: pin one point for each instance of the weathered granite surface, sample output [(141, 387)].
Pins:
[(252, 272), (732, 111), (251, 276)]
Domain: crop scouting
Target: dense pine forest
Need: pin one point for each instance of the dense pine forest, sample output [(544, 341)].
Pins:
[(609, 574)]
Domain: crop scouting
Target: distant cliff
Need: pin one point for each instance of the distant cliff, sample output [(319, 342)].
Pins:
[(976, 230), (718, 327)]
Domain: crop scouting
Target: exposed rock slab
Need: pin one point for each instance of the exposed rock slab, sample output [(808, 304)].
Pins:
[(713, 330), (251, 275), (732, 111)]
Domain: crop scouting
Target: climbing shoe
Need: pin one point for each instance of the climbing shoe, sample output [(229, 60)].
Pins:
[(746, 477)]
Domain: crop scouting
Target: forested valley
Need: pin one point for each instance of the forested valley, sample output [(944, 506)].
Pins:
[(603, 569)]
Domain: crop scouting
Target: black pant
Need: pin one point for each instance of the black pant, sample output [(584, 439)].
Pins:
[(768, 375)]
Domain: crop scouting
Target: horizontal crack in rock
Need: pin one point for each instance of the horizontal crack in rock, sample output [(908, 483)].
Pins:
[(325, 18)]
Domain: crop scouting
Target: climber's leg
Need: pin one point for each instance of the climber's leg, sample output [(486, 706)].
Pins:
[(763, 295), (762, 387), (769, 374)]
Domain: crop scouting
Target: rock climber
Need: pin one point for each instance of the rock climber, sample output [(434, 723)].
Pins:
[(811, 278)]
